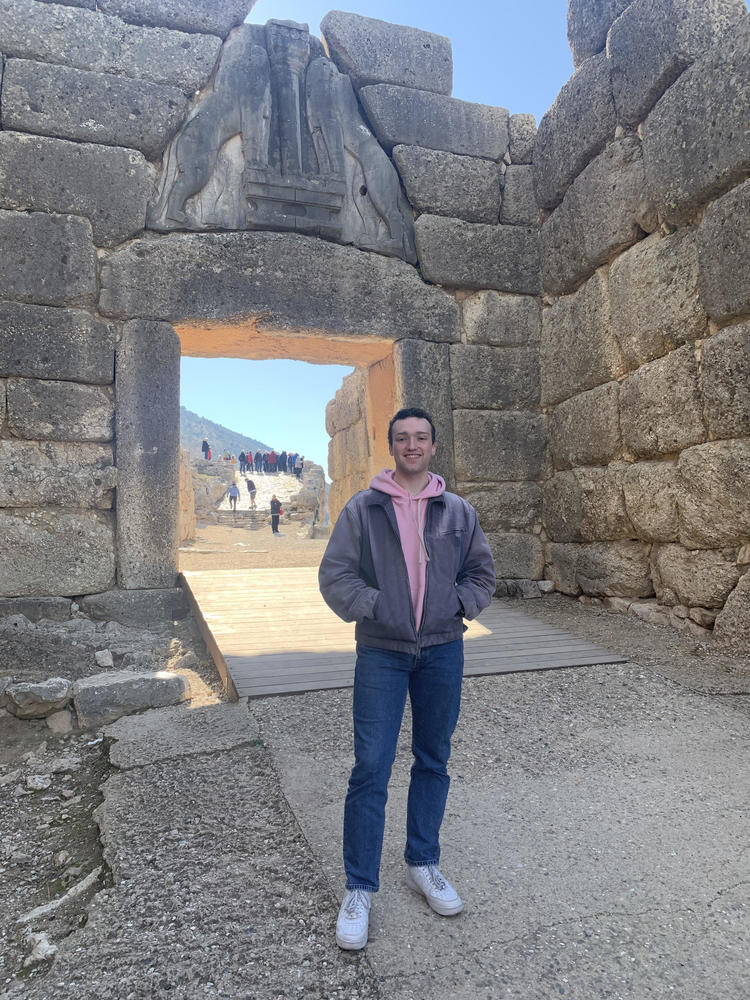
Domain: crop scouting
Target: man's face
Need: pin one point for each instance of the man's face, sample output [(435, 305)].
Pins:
[(412, 446)]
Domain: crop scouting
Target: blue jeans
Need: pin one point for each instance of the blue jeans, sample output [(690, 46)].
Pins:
[(381, 681)]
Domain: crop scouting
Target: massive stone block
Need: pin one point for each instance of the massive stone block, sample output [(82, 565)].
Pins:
[(373, 51), (137, 607), (723, 250), (505, 505), (577, 348), (148, 445), (46, 343), (650, 490), (695, 142), (603, 211), (501, 320), (281, 281), (109, 185), (100, 700), (714, 494), (215, 17), (90, 107), (655, 40), (603, 569), (347, 406), (492, 446), (485, 378), (50, 32), (472, 255), (585, 430), (699, 578), (522, 130), (654, 297), (519, 202), (417, 118), (34, 474), (517, 556), (588, 24), (55, 552), (586, 505), (440, 183), (422, 378), (725, 380), (732, 627), (560, 567), (575, 129), (661, 410), (46, 258), (60, 411)]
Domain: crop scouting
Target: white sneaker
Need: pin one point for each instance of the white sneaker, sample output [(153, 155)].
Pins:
[(435, 887), (354, 917)]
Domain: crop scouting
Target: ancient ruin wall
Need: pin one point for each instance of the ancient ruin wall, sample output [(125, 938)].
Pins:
[(640, 169)]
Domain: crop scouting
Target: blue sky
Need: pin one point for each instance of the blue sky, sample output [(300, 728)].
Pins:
[(510, 54)]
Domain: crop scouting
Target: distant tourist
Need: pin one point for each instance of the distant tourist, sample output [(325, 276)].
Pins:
[(272, 460), (275, 512), (282, 462), (208, 455), (242, 457), (252, 491), (205, 448), (299, 465), (234, 494), (258, 461)]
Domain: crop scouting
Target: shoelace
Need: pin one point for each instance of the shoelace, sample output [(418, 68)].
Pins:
[(355, 905), (436, 878)]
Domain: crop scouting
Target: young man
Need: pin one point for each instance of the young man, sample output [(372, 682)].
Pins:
[(234, 495), (407, 562)]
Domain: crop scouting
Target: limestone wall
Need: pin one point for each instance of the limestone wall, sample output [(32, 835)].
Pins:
[(640, 168)]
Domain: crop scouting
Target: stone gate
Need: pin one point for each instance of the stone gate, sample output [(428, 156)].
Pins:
[(572, 304)]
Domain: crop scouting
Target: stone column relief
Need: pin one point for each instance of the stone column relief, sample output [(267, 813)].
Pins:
[(277, 141)]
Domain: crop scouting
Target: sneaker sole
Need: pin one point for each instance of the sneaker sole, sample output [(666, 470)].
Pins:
[(444, 909), (351, 944)]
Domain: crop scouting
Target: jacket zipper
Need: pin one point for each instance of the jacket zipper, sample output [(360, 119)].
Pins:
[(426, 582)]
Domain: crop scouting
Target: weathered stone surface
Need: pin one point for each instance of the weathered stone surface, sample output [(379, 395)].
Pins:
[(372, 51), (577, 348), (714, 494), (661, 410), (655, 40), (522, 129), (282, 281), (103, 698), (347, 406), (90, 107), (505, 505), (501, 320), (214, 17), (695, 142), (46, 258), (519, 202), (37, 700), (56, 552), (585, 430), (588, 24), (483, 378), (614, 569), (723, 249), (732, 628), (35, 609), (148, 453), (575, 129), (68, 344), (725, 380), (60, 411), (109, 185), (55, 33), (440, 183), (701, 577), (517, 555), (422, 378), (603, 211), (136, 607), (498, 446), (473, 255), (560, 567), (654, 297), (650, 490), (33, 474), (586, 505), (416, 118)]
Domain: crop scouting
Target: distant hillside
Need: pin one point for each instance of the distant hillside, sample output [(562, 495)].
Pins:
[(194, 428)]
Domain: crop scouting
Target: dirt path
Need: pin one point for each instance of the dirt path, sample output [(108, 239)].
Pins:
[(218, 546)]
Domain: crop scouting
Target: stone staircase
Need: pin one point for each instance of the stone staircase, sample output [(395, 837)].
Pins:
[(285, 487)]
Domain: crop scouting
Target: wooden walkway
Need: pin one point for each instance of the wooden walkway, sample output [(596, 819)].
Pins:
[(270, 632)]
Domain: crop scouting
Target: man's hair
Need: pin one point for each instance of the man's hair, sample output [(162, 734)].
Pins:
[(410, 411)]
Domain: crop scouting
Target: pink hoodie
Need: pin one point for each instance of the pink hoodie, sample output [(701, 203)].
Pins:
[(410, 517)]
